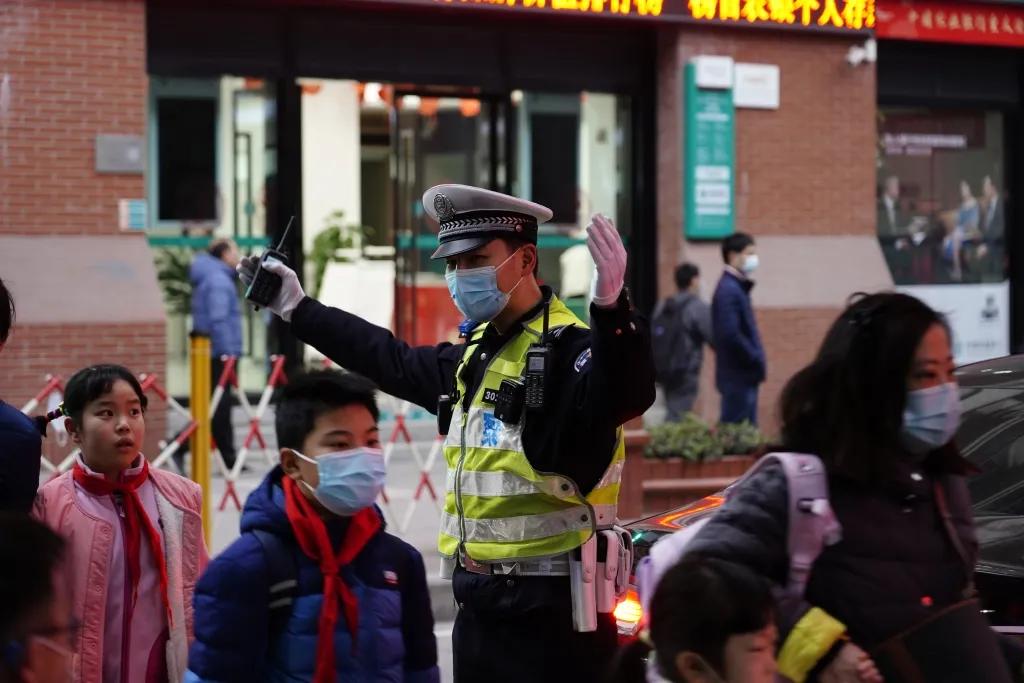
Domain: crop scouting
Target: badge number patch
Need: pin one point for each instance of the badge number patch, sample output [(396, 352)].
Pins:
[(582, 361)]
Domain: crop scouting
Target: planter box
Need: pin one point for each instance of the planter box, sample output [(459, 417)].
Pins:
[(674, 482), (655, 485)]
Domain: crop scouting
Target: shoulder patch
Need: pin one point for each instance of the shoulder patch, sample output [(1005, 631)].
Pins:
[(582, 360)]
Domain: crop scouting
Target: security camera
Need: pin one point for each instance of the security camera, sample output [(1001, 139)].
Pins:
[(860, 54)]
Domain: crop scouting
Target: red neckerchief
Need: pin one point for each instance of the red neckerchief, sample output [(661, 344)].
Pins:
[(311, 533), (136, 522)]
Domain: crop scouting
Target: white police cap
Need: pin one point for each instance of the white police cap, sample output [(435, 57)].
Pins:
[(470, 217)]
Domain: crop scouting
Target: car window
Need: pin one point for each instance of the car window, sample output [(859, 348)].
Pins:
[(991, 436)]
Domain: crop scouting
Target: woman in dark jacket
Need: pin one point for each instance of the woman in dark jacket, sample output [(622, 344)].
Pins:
[(879, 405)]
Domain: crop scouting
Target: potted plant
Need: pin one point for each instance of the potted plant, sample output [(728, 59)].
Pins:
[(336, 235)]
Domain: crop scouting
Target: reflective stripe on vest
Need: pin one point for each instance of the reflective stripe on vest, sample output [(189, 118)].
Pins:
[(497, 507)]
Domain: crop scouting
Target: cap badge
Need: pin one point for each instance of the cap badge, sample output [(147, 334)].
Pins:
[(444, 207)]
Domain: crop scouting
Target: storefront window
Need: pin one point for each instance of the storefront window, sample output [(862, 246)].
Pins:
[(941, 206), (943, 218), (370, 150), (211, 173)]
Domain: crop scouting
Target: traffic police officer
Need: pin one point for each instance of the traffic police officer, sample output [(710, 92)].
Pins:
[(532, 403)]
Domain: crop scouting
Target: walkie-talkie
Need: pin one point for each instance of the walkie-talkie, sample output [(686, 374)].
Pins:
[(535, 376), (265, 285)]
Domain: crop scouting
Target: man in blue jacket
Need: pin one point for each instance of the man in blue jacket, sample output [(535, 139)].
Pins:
[(20, 440), (217, 313), (315, 589), (739, 355)]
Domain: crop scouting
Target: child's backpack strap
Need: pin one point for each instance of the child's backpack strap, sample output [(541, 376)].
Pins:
[(811, 526), (812, 523), (283, 573)]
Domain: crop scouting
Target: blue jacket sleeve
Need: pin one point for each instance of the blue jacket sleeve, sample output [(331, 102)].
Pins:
[(418, 625), (731, 309), (218, 303), (417, 374), (231, 617), (20, 453), (619, 382)]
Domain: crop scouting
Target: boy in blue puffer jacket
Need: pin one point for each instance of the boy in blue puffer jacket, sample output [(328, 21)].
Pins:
[(314, 589)]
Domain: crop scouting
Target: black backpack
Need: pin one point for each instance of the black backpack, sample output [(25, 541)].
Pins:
[(671, 342), (283, 571)]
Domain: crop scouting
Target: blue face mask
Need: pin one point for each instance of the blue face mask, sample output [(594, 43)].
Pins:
[(476, 293), (349, 481), (931, 418)]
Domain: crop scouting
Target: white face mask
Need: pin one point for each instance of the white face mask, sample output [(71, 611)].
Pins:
[(750, 264)]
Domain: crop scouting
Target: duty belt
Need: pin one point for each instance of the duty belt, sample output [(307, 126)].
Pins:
[(557, 565)]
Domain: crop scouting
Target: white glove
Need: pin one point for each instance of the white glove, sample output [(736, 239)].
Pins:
[(610, 258), (288, 297)]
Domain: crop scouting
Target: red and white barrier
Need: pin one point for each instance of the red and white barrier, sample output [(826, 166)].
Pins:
[(425, 485), (149, 383), (228, 380)]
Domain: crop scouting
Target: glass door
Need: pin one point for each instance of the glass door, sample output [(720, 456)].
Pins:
[(437, 138)]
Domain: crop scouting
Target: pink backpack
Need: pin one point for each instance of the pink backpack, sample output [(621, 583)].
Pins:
[(812, 526)]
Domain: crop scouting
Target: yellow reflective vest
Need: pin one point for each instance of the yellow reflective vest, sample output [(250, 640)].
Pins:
[(497, 507)]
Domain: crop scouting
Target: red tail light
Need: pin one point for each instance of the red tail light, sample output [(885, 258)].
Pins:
[(629, 613)]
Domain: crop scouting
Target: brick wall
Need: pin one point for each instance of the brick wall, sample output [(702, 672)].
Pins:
[(34, 351), (806, 169), (70, 70), (74, 69)]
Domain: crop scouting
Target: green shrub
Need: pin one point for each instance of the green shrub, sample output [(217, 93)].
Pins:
[(692, 439), (739, 439)]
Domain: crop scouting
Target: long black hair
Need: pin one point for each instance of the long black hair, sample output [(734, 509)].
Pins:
[(698, 605), (847, 406)]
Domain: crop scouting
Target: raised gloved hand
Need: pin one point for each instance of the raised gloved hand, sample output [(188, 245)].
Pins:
[(609, 254), (290, 294)]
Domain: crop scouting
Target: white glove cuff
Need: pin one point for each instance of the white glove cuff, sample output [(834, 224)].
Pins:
[(607, 302), (289, 304)]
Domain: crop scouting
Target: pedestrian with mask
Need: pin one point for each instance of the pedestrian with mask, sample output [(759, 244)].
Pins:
[(532, 404), (879, 406), (739, 355), (314, 588)]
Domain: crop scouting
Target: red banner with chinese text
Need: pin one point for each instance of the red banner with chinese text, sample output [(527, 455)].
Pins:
[(942, 22)]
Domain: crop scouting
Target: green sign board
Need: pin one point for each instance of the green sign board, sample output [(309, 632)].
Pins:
[(709, 170)]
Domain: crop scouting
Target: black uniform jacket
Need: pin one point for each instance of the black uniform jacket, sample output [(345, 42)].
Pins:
[(601, 378)]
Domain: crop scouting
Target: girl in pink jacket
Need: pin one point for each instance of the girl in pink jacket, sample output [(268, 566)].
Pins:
[(134, 535)]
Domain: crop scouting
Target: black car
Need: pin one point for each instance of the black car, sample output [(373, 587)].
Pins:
[(992, 437)]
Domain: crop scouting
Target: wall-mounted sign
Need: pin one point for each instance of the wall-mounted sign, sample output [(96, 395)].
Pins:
[(941, 22), (827, 14), (831, 15), (756, 86), (709, 171), (713, 72), (120, 154), (131, 214)]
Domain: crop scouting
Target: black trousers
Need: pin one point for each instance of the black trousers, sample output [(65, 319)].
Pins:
[(519, 630), (220, 421)]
